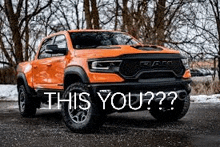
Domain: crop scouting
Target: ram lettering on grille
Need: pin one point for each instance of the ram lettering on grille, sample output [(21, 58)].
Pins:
[(130, 68)]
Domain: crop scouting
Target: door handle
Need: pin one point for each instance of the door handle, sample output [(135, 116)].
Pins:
[(49, 64)]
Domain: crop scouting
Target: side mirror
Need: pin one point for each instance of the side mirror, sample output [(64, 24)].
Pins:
[(53, 49)]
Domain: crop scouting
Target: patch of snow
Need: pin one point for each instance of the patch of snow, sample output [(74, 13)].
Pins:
[(215, 98), (8, 92), (13, 107)]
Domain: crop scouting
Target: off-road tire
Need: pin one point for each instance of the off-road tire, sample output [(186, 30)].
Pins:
[(26, 103), (180, 109), (94, 117)]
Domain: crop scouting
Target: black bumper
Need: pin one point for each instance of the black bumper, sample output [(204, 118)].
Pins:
[(154, 85)]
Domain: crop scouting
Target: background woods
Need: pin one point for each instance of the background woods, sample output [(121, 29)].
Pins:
[(191, 26)]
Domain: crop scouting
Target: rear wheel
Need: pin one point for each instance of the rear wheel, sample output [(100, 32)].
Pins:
[(180, 109), (26, 104), (77, 119)]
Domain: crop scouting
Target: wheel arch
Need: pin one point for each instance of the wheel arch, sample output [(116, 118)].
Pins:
[(21, 79), (74, 74)]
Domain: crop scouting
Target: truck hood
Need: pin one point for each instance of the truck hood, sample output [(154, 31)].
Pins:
[(117, 50)]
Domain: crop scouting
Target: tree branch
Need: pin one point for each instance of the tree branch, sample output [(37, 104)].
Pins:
[(36, 11), (19, 6)]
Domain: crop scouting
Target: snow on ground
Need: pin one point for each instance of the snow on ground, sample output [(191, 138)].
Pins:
[(215, 98), (9, 93)]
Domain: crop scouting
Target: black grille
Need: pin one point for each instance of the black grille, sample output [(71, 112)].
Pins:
[(132, 67), (156, 75)]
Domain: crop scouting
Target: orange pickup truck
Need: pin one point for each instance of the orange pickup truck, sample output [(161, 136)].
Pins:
[(103, 64)]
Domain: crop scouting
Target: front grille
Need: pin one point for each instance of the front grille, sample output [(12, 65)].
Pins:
[(156, 75), (132, 67)]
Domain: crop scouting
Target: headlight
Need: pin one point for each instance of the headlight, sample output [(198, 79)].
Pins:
[(105, 66), (185, 63)]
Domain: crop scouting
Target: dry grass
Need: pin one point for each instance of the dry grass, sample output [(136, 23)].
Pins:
[(205, 87)]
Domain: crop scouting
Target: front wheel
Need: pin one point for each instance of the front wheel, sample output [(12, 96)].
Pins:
[(26, 104), (77, 119), (180, 109)]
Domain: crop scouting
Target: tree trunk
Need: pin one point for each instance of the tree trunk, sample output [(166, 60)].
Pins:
[(26, 43), (218, 29), (159, 22), (116, 15), (87, 14), (219, 64), (77, 15), (124, 15), (95, 15), (16, 36), (26, 32)]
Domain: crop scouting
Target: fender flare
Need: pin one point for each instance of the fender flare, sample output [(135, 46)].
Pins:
[(77, 70), (23, 78)]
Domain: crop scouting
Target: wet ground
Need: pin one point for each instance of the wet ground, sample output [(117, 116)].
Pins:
[(200, 127)]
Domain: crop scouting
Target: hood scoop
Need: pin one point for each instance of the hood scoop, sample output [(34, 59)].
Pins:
[(148, 48), (108, 47)]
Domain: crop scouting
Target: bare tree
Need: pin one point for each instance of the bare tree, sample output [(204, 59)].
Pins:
[(91, 15), (190, 26), (159, 22), (95, 14), (87, 14), (215, 5), (18, 16)]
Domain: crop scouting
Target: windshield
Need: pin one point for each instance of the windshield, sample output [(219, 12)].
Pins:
[(85, 40)]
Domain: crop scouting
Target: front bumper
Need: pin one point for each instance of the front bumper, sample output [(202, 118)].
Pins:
[(153, 85), (133, 90)]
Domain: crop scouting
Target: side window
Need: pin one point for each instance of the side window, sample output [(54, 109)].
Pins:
[(42, 53), (60, 41)]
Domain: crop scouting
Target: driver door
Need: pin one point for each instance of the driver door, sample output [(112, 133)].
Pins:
[(41, 66), (57, 64)]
